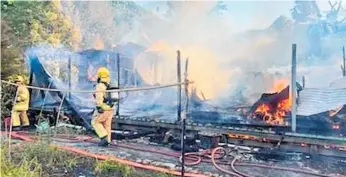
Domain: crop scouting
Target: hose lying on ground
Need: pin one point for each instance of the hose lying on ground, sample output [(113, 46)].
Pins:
[(110, 157), (213, 153), (233, 164), (196, 158)]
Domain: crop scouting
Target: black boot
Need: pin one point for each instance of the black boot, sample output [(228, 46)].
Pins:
[(16, 128), (103, 142), (26, 128)]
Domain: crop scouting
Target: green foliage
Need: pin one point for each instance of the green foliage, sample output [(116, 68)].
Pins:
[(112, 168), (36, 160), (8, 93), (7, 97), (11, 57), (49, 157), (42, 20), (9, 169), (26, 23), (109, 166), (163, 175), (39, 159)]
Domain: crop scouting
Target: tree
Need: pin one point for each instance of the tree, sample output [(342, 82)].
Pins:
[(26, 23), (220, 8), (304, 11)]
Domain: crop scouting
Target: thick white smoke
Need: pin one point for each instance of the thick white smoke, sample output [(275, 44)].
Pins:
[(220, 60)]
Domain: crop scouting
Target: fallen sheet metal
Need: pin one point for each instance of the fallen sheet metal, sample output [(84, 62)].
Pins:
[(340, 83), (317, 100)]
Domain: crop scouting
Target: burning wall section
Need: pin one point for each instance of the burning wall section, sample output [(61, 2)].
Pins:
[(319, 110)]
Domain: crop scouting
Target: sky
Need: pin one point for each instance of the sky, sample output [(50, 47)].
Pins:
[(250, 14)]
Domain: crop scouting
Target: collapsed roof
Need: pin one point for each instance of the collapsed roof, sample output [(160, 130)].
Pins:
[(50, 69)]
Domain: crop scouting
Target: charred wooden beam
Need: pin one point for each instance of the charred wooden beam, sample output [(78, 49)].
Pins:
[(294, 88), (69, 76), (251, 130), (118, 74), (179, 87), (343, 66), (184, 117)]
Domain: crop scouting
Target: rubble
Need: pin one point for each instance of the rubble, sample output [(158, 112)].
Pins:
[(168, 165), (178, 168), (147, 161), (188, 169)]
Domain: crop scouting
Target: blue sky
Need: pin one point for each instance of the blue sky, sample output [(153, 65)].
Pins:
[(249, 14)]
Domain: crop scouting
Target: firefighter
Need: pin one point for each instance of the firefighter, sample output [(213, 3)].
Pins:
[(102, 117), (19, 116)]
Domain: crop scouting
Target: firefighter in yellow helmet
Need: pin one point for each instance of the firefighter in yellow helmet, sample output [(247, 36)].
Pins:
[(102, 117), (21, 105)]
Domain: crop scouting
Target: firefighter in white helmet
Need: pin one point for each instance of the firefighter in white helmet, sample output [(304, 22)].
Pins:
[(21, 105), (102, 117)]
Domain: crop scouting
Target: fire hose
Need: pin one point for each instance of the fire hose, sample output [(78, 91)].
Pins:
[(195, 157), (241, 174), (110, 157)]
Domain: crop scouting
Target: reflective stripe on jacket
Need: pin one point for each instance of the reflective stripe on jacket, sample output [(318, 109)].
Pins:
[(101, 96)]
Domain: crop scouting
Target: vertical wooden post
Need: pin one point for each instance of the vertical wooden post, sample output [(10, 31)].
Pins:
[(179, 86), (184, 119), (294, 88), (186, 86), (303, 80), (118, 68), (69, 76), (343, 66), (31, 78)]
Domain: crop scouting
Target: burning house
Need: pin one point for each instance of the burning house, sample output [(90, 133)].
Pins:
[(272, 108)]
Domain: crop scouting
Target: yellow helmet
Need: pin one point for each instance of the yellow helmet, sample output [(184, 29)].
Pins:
[(19, 79), (102, 72)]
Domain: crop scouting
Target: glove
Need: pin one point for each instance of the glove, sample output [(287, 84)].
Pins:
[(18, 100), (99, 109)]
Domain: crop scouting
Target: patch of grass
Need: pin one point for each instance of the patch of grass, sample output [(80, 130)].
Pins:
[(29, 168), (49, 157), (112, 168), (36, 160), (153, 174), (41, 160)]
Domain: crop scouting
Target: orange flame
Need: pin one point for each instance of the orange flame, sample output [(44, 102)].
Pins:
[(203, 69), (303, 144), (158, 46), (242, 136), (335, 111), (279, 85), (276, 115), (336, 126)]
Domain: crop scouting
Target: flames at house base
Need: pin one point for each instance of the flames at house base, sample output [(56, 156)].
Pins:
[(272, 108)]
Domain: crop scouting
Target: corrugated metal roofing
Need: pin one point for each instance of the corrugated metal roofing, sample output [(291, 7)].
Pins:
[(340, 83), (316, 100)]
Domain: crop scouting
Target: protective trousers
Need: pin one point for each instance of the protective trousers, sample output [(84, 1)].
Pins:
[(20, 107), (102, 123), (19, 117)]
